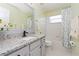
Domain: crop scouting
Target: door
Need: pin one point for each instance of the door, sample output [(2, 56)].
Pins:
[(40, 24), (29, 24)]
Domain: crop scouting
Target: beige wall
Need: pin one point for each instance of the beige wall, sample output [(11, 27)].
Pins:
[(75, 20), (75, 27), (52, 13), (75, 9)]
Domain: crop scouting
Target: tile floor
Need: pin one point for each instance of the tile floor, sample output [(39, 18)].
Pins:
[(57, 49)]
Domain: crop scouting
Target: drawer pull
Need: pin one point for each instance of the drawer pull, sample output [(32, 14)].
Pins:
[(40, 46), (18, 55)]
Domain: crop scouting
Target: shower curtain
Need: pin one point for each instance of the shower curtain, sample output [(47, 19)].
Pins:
[(66, 17)]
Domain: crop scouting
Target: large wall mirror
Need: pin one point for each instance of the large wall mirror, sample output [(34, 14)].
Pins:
[(4, 18), (15, 16)]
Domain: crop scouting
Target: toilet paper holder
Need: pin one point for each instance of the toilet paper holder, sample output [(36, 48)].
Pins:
[(72, 43)]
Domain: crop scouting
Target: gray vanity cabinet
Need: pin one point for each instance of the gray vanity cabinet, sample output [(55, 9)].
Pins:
[(36, 48)]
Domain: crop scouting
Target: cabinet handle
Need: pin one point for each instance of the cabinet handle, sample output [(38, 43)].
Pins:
[(40, 46), (18, 55)]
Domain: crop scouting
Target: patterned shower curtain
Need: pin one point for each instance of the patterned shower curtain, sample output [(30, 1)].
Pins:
[(66, 17)]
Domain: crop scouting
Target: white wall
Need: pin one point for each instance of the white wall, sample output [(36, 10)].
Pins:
[(54, 31)]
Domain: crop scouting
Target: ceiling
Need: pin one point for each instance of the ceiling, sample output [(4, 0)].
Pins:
[(22, 6), (45, 7), (41, 7)]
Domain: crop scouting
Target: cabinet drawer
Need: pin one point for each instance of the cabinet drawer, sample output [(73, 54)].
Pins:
[(22, 52), (36, 52), (34, 45)]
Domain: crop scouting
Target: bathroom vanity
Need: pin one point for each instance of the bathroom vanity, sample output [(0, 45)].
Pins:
[(28, 46)]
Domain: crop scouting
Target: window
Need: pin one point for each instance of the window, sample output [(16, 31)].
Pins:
[(55, 19)]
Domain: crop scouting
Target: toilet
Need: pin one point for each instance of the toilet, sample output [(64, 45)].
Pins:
[(48, 43)]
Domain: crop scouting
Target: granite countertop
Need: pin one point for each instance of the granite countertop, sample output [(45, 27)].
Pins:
[(9, 45)]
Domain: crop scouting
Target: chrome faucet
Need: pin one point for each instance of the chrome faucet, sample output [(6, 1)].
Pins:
[(24, 33)]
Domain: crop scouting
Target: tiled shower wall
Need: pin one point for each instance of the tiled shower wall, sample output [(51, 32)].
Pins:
[(11, 34)]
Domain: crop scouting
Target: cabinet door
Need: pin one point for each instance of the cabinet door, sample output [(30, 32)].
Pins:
[(43, 50), (36, 52), (22, 52), (35, 44)]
